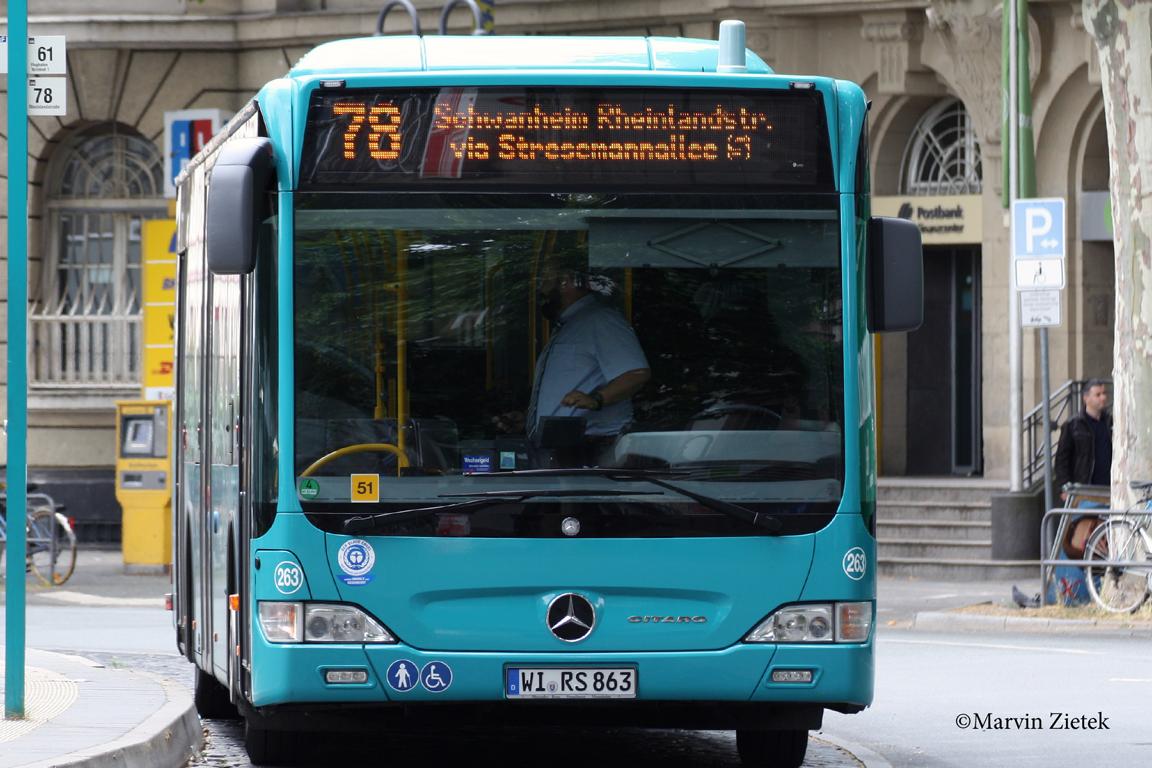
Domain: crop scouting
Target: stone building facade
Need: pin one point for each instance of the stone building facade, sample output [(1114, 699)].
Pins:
[(932, 71)]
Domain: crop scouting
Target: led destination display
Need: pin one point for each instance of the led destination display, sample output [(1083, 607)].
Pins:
[(550, 136)]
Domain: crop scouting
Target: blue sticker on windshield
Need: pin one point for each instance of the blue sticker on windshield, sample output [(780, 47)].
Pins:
[(477, 464)]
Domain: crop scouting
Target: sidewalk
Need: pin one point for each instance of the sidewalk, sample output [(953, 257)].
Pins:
[(80, 713), (986, 606)]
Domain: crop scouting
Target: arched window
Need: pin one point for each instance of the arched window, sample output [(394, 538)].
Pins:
[(86, 328), (942, 156)]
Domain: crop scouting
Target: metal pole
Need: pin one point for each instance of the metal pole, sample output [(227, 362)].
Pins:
[(1015, 395), (17, 480), (1044, 386)]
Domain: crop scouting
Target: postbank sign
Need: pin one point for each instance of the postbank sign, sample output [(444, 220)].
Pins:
[(943, 219)]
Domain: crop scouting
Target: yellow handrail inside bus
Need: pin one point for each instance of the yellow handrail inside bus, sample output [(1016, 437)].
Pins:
[(402, 245), (401, 457)]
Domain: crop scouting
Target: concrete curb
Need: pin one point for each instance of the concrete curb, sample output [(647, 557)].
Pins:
[(169, 738), (946, 621), (866, 756)]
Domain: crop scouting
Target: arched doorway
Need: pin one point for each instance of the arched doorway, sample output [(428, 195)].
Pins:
[(942, 162)]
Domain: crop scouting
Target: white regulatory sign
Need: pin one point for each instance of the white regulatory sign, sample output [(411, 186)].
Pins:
[(47, 96), (1039, 309), (1039, 274), (46, 55)]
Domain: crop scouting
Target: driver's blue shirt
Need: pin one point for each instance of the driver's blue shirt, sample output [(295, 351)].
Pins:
[(593, 345)]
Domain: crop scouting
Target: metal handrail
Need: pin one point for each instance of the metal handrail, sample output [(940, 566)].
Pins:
[(1052, 546)]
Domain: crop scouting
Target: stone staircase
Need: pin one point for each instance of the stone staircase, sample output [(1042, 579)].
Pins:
[(941, 528)]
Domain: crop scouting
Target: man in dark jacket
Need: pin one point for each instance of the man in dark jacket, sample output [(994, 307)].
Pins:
[(1084, 453)]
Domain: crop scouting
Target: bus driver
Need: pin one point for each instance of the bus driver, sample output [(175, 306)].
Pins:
[(592, 364)]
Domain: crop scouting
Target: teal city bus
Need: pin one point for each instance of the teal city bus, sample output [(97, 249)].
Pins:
[(377, 516)]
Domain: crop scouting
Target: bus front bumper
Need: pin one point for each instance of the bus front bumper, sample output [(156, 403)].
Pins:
[(701, 689)]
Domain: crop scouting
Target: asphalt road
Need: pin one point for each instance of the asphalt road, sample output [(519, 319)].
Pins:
[(1007, 699)]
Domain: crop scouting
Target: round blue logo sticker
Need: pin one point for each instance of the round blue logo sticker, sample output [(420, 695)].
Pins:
[(356, 558)]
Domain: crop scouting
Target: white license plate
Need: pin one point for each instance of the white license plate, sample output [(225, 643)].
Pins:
[(569, 683)]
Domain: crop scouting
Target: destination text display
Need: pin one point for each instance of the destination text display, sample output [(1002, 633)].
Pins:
[(535, 136)]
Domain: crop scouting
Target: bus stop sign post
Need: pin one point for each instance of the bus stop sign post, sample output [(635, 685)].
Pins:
[(15, 590)]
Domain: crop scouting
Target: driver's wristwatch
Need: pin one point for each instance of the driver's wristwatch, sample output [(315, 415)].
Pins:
[(599, 398)]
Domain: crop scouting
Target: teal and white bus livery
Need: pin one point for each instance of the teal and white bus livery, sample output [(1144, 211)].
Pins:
[(378, 520)]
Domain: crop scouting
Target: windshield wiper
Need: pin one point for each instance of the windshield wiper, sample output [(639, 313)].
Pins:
[(769, 523), (368, 523)]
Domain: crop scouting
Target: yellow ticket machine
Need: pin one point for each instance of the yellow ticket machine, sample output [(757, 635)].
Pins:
[(143, 481)]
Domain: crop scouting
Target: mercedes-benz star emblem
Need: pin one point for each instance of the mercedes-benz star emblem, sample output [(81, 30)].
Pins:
[(571, 617), (570, 526)]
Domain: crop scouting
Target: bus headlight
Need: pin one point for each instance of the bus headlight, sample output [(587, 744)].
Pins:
[(795, 624), (342, 624), (285, 622), (815, 623)]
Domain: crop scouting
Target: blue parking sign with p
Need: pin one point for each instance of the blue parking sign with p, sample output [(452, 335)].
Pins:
[(1038, 227)]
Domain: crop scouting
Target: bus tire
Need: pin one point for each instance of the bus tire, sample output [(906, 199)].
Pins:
[(772, 749), (211, 698), (268, 747)]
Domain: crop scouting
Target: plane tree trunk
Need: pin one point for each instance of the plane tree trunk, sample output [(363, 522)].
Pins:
[(1123, 36)]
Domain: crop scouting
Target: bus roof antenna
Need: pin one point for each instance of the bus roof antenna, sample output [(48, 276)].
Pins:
[(732, 52), (406, 5), (477, 16)]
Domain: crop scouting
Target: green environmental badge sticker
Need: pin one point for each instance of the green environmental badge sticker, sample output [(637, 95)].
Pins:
[(309, 488)]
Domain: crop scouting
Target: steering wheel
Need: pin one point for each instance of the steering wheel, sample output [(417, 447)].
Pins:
[(348, 450)]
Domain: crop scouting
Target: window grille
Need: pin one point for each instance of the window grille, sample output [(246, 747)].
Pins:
[(86, 325), (943, 156)]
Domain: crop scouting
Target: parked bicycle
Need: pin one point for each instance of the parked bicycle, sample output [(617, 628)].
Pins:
[(50, 552), (1123, 539)]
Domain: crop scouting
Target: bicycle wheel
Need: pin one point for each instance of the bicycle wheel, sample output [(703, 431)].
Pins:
[(51, 546), (1119, 589)]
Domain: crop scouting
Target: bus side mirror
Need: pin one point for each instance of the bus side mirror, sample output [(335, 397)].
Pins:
[(236, 190), (895, 275)]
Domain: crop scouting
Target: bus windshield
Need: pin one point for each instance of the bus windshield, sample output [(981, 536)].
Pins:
[(448, 343)]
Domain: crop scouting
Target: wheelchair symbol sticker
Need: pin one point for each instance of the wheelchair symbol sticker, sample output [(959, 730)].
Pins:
[(402, 675), (436, 676)]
